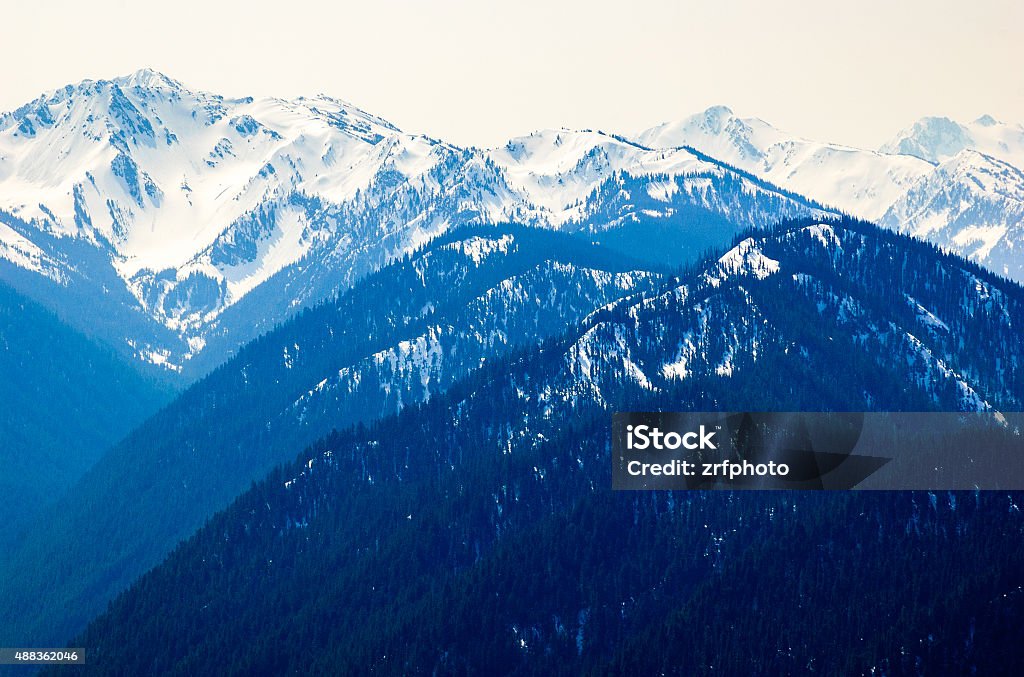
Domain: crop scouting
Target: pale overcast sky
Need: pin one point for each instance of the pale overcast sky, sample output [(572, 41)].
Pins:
[(476, 72)]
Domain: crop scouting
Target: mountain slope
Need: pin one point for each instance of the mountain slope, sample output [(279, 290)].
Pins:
[(972, 204), (498, 547), (402, 335), (66, 401)]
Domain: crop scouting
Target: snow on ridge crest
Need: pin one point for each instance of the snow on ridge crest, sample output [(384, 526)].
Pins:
[(745, 259), (822, 233)]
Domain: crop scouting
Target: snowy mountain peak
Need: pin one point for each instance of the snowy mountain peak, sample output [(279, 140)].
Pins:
[(147, 78), (556, 170), (936, 139), (859, 182), (715, 118), (716, 131), (194, 199), (334, 107), (931, 138)]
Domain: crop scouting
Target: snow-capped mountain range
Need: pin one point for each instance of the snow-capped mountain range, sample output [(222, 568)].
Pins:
[(860, 182), (958, 186), (178, 224)]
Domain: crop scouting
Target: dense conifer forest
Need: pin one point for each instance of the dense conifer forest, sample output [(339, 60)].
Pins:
[(476, 532), (66, 398)]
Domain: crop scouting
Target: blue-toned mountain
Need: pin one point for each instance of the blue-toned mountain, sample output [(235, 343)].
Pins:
[(535, 329), (66, 400), (399, 337), (476, 533)]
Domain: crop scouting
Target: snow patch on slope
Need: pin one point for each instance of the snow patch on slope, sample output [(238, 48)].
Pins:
[(479, 248), (745, 259), (25, 254)]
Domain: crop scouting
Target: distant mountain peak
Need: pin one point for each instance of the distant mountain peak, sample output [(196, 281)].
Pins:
[(147, 78), (937, 139), (857, 181), (716, 117), (931, 138)]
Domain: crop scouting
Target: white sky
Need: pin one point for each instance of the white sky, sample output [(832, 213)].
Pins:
[(476, 72)]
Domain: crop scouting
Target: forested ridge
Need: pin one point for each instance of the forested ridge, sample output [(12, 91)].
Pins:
[(66, 399), (333, 365), (476, 532), (418, 546)]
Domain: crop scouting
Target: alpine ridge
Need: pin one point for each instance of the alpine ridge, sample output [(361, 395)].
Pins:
[(955, 185), (191, 223)]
